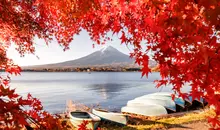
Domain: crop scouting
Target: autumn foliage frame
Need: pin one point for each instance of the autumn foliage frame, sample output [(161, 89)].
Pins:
[(183, 34)]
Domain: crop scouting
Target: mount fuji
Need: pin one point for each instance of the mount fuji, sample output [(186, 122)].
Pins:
[(107, 56)]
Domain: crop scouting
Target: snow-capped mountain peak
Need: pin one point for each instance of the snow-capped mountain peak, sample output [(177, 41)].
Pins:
[(107, 48), (104, 48)]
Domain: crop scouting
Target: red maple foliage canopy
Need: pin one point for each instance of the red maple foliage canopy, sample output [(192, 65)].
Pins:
[(183, 35)]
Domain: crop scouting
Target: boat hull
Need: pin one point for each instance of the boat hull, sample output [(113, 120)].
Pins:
[(179, 101), (187, 100), (197, 100), (168, 104), (145, 110), (110, 116), (77, 118)]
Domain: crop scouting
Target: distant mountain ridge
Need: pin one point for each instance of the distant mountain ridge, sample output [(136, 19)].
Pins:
[(108, 56)]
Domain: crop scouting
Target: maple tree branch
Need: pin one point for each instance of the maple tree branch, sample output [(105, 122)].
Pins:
[(32, 121), (208, 70)]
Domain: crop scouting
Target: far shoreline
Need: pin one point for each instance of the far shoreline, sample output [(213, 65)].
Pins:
[(80, 71), (89, 72), (89, 69)]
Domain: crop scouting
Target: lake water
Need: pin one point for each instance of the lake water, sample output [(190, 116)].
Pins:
[(110, 90)]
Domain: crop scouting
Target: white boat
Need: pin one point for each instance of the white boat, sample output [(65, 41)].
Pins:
[(168, 104), (179, 101), (77, 118), (169, 95), (145, 110), (111, 116)]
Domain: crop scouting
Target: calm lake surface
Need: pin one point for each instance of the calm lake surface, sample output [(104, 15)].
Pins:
[(110, 90)]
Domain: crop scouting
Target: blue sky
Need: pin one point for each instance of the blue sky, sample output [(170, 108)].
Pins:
[(53, 53)]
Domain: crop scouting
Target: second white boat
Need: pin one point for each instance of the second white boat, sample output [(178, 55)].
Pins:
[(111, 116)]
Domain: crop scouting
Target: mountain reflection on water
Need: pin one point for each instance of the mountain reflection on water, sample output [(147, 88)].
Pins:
[(110, 90)]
